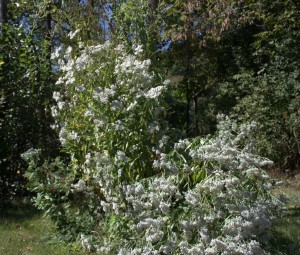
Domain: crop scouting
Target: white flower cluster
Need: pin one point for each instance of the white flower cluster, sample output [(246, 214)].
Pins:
[(109, 87), (227, 212), (225, 150), (31, 154)]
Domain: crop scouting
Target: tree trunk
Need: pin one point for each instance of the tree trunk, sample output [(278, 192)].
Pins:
[(3, 12), (45, 81), (153, 4), (189, 86), (153, 30)]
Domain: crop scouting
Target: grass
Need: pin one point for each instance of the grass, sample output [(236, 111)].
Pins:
[(286, 231), (24, 231)]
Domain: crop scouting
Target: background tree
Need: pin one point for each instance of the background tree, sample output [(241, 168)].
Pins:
[(266, 87), (26, 92), (3, 12), (192, 31)]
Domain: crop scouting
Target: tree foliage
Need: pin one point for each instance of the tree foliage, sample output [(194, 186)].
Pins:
[(26, 93), (266, 91)]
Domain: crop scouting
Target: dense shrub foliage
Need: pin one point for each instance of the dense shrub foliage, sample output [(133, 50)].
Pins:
[(128, 186)]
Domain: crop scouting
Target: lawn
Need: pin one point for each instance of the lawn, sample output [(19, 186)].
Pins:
[(286, 231), (24, 230)]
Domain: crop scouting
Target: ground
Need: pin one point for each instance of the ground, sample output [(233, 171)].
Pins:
[(25, 231)]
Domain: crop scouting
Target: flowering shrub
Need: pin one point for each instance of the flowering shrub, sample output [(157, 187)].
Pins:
[(127, 189), (110, 122), (212, 198)]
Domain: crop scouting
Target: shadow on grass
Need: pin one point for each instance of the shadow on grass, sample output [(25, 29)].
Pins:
[(294, 211), (286, 233), (17, 211)]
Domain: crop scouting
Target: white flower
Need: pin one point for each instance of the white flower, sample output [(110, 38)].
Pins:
[(103, 95), (153, 127), (61, 105), (116, 105), (30, 154), (99, 123), (163, 141), (74, 136), (131, 106), (81, 45), (167, 249), (172, 167), (68, 51), (121, 156), (83, 61), (116, 208), (127, 63), (73, 34), (154, 92), (118, 125), (120, 172), (164, 207), (80, 88), (166, 82), (63, 136), (88, 113), (138, 50), (181, 144), (79, 186), (154, 236), (105, 206), (56, 53), (54, 111), (154, 198), (139, 189), (119, 47), (56, 96), (88, 158)]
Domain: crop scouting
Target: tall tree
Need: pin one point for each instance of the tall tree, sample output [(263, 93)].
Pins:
[(26, 90), (192, 29), (268, 89)]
